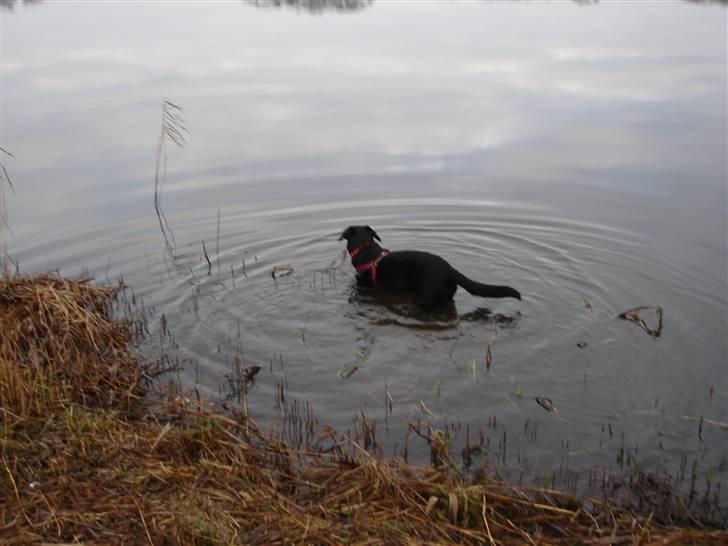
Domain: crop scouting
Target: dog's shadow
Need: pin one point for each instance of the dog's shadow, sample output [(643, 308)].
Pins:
[(400, 309)]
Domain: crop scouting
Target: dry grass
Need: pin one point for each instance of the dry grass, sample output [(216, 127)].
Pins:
[(59, 346), (87, 456)]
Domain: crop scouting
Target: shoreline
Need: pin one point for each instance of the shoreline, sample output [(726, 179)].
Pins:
[(95, 450)]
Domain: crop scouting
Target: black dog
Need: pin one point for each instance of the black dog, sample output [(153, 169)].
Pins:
[(431, 278)]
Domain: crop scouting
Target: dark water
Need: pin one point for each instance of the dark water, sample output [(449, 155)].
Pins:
[(577, 153)]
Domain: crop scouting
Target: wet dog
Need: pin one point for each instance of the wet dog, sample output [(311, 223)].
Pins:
[(432, 279)]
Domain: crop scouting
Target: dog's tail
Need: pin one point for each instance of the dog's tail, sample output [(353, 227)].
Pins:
[(484, 290)]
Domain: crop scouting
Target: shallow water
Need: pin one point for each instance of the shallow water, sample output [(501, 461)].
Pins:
[(577, 153)]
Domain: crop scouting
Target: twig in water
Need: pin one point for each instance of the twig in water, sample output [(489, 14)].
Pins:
[(633, 315), (346, 374), (281, 271), (488, 354), (209, 264), (217, 241), (719, 424), (546, 404)]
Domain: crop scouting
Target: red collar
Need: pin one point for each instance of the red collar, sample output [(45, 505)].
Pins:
[(371, 265)]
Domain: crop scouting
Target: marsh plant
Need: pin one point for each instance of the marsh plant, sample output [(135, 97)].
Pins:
[(172, 130), (4, 225)]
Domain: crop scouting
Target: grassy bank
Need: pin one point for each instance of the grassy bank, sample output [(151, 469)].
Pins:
[(93, 451)]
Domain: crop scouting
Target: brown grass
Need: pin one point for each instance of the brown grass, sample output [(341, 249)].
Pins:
[(86, 456)]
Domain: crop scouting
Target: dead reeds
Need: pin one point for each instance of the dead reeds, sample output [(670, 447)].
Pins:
[(58, 346), (91, 453)]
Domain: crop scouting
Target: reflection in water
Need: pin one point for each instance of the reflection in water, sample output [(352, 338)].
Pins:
[(10, 4), (400, 309), (173, 131), (387, 308), (320, 6), (314, 6)]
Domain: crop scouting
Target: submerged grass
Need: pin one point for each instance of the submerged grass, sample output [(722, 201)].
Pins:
[(92, 452)]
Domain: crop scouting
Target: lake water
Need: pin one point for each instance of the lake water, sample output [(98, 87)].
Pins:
[(575, 152)]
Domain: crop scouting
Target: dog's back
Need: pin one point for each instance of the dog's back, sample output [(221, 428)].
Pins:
[(432, 279)]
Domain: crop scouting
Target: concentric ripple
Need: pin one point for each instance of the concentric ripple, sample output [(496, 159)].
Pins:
[(278, 292)]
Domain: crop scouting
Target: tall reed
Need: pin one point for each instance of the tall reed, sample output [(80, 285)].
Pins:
[(172, 130)]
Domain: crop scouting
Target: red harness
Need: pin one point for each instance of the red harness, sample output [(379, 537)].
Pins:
[(371, 265), (357, 250)]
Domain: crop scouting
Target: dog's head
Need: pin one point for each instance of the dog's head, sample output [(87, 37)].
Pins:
[(358, 235)]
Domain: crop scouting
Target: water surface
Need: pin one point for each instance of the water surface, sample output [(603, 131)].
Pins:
[(577, 153)]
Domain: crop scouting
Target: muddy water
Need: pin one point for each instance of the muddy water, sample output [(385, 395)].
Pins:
[(576, 153)]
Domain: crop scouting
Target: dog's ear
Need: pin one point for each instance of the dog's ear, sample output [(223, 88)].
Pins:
[(347, 233), (373, 233)]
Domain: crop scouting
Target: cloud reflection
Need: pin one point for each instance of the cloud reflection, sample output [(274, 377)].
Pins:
[(517, 93)]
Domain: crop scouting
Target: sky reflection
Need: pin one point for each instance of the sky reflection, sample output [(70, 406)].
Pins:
[(521, 90)]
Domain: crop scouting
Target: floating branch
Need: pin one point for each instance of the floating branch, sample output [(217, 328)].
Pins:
[(719, 424), (546, 404), (634, 315), (345, 373), (281, 271)]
